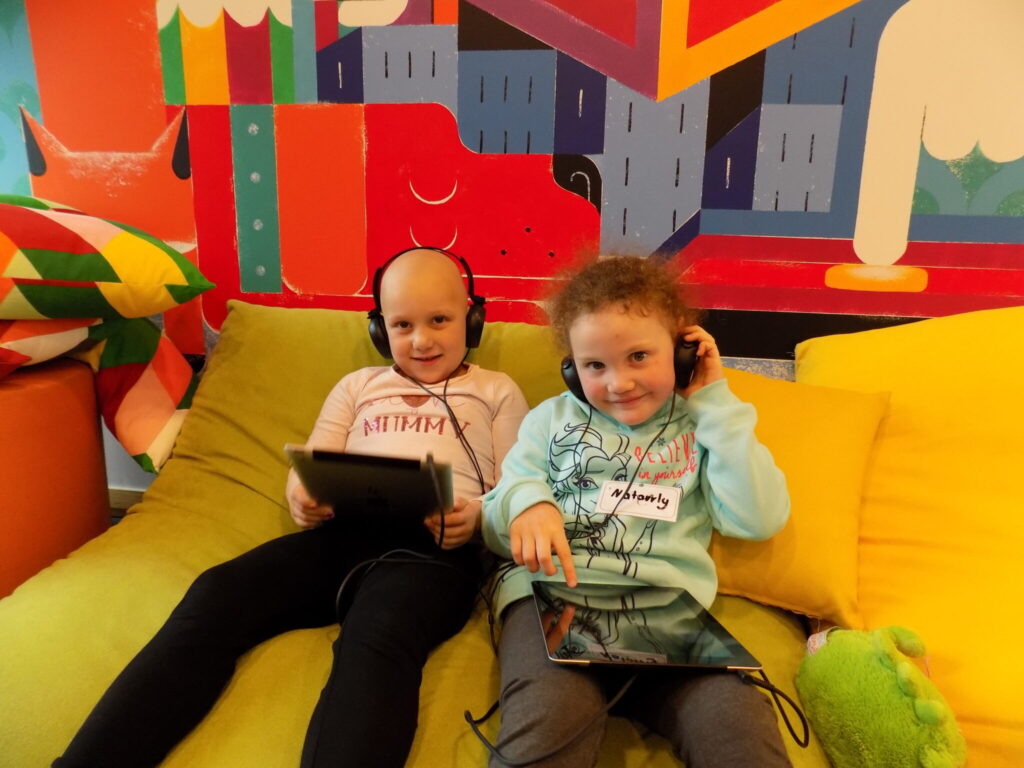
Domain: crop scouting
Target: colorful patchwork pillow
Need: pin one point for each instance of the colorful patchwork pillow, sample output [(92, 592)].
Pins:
[(144, 386), (59, 262), (143, 382), (27, 342), (76, 284)]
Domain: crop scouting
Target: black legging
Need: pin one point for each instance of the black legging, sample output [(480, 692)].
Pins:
[(397, 613)]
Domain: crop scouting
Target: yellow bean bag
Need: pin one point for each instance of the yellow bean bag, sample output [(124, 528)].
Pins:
[(68, 631)]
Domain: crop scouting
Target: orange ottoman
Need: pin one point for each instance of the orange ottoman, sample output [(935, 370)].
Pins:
[(52, 474)]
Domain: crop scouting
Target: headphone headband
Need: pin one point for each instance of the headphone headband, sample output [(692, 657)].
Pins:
[(378, 275), (475, 315)]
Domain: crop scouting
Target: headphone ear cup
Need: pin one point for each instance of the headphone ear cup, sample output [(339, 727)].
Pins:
[(475, 325), (378, 334), (571, 377), (685, 361)]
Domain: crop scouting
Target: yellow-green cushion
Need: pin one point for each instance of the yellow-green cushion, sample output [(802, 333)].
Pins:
[(941, 538), (821, 438)]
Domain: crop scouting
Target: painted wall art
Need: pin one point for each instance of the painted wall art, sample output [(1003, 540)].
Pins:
[(809, 166)]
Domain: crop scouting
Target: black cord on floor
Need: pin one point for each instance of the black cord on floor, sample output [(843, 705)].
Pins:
[(775, 692)]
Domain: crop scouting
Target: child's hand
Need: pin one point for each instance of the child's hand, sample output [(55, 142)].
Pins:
[(305, 511), (709, 361), (459, 524), (534, 534)]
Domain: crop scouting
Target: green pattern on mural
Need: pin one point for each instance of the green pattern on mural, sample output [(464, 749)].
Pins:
[(973, 170), (1012, 205), (10, 16), (255, 175), (972, 185), (924, 202), (281, 61), (171, 59)]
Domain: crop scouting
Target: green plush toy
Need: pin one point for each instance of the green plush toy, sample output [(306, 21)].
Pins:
[(871, 707)]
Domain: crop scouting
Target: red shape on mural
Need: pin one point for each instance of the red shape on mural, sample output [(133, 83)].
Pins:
[(92, 100), (320, 169), (325, 15), (120, 185), (503, 213), (214, 191), (709, 17), (248, 58), (615, 18), (787, 274)]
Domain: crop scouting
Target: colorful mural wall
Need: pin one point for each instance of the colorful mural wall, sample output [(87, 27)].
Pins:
[(811, 165)]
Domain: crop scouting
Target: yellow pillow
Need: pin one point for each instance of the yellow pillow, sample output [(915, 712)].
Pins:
[(941, 540), (820, 438)]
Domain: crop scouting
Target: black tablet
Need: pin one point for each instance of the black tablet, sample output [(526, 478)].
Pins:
[(408, 488), (634, 626)]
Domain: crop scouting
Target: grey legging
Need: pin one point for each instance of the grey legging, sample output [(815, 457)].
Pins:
[(711, 719)]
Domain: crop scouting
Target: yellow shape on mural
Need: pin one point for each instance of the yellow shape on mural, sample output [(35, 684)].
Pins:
[(881, 279), (370, 13), (204, 61), (680, 64)]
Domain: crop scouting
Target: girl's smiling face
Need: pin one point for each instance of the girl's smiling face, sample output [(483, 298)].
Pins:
[(423, 302), (625, 361)]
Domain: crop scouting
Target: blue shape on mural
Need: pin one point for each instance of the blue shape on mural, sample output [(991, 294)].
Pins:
[(339, 70), (729, 166), (411, 64), (579, 107), (17, 89), (304, 51), (679, 239), (813, 66), (796, 157), (825, 70), (507, 101), (652, 168)]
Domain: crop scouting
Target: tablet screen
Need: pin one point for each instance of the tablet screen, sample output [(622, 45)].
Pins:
[(638, 626)]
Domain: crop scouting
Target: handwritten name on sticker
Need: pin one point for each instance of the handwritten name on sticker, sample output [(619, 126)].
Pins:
[(654, 502)]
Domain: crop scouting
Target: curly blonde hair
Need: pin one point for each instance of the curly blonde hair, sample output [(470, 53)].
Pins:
[(639, 284)]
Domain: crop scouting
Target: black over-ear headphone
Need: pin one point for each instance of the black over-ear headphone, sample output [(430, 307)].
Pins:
[(685, 360), (474, 316)]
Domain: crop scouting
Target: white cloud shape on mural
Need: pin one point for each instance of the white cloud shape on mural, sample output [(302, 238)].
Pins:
[(947, 75), (203, 13)]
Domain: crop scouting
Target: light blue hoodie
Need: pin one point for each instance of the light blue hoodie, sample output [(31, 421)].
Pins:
[(728, 479)]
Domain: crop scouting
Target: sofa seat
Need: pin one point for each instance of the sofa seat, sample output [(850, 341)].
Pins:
[(68, 631)]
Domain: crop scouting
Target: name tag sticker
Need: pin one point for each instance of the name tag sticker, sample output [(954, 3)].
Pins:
[(655, 502)]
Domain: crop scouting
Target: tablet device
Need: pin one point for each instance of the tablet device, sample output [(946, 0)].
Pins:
[(634, 626), (376, 485)]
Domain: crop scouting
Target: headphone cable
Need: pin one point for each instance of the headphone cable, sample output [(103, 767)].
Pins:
[(475, 722)]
